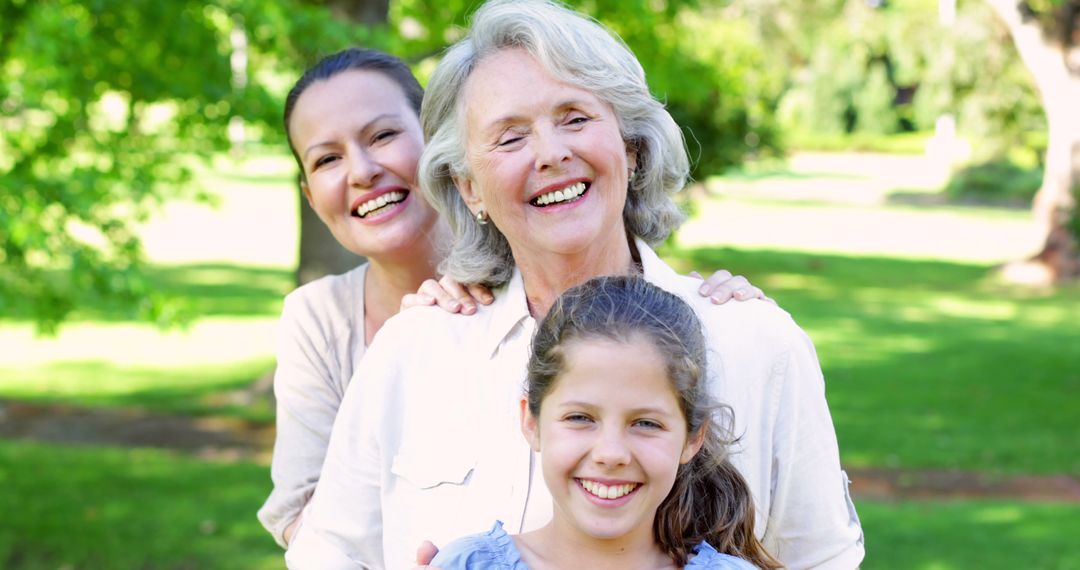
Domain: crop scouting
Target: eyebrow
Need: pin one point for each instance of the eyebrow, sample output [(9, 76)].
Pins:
[(511, 119), (362, 129), (633, 412)]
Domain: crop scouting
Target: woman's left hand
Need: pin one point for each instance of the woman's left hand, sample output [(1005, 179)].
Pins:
[(722, 286)]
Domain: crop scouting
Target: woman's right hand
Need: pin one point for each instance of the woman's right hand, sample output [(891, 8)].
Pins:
[(451, 296)]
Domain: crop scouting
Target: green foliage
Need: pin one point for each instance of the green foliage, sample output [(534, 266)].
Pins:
[(999, 181), (874, 112), (108, 105), (896, 69)]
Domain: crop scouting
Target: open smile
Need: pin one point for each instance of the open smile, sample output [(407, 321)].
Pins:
[(607, 492), (571, 193), (380, 204)]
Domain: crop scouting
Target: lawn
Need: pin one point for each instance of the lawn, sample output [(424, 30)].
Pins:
[(929, 361)]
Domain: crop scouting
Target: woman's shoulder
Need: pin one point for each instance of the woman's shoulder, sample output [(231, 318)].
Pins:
[(331, 297), (491, 550), (708, 558)]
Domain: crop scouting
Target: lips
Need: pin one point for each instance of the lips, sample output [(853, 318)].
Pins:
[(566, 194), (378, 203)]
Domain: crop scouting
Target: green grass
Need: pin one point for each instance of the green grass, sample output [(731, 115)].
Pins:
[(129, 508), (204, 290), (930, 364), (957, 535), (903, 143)]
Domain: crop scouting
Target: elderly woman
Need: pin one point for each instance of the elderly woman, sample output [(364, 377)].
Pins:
[(553, 164)]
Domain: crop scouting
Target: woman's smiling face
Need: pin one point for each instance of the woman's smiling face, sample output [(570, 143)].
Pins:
[(611, 435), (546, 159), (359, 142)]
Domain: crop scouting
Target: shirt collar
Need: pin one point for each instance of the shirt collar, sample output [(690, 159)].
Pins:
[(511, 306)]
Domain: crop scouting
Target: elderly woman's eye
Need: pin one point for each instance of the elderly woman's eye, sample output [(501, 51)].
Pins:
[(577, 120), (509, 140)]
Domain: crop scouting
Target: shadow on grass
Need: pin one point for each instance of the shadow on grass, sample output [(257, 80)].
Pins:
[(930, 364), (234, 390), (129, 508)]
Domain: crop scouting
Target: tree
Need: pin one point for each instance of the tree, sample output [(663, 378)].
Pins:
[(1047, 36), (106, 106)]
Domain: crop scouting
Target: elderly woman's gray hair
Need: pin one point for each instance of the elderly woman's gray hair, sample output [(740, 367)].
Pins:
[(578, 51)]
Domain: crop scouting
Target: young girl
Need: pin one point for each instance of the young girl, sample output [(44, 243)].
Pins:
[(352, 122), (618, 409)]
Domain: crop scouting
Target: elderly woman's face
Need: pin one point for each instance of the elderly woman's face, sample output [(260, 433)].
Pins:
[(547, 161)]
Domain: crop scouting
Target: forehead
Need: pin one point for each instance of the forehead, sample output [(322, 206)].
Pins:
[(511, 83), (616, 373), (350, 97)]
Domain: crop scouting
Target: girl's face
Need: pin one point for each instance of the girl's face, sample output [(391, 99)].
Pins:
[(611, 436), (546, 159), (359, 142)]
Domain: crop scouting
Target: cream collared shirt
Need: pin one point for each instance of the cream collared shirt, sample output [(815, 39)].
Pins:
[(427, 444)]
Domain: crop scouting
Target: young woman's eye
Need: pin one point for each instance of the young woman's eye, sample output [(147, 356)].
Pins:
[(577, 418), (384, 135), (323, 160)]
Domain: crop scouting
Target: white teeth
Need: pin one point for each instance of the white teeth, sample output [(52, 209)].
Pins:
[(376, 203), (606, 491), (569, 193)]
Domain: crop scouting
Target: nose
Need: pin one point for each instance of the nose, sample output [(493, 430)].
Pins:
[(611, 448), (364, 169), (550, 148)]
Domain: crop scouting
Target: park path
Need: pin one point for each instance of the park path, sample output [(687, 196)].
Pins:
[(230, 439)]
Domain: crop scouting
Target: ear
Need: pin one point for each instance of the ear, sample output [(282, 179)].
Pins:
[(530, 427), (307, 193), (631, 156), (468, 193), (693, 445)]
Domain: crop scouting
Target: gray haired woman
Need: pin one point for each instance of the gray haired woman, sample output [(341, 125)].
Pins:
[(552, 164)]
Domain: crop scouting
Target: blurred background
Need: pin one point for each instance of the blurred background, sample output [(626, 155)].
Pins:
[(900, 175)]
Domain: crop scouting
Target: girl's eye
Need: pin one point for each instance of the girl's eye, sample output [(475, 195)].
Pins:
[(648, 424), (577, 418)]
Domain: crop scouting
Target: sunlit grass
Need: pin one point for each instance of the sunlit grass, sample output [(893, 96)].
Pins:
[(930, 364), (958, 535)]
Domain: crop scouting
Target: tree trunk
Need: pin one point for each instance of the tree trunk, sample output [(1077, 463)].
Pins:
[(320, 253), (1059, 89)]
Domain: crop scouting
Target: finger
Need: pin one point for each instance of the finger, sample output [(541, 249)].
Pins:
[(481, 294), (416, 300), (459, 293), (426, 552), (748, 292), (442, 297), (696, 275), (715, 281)]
